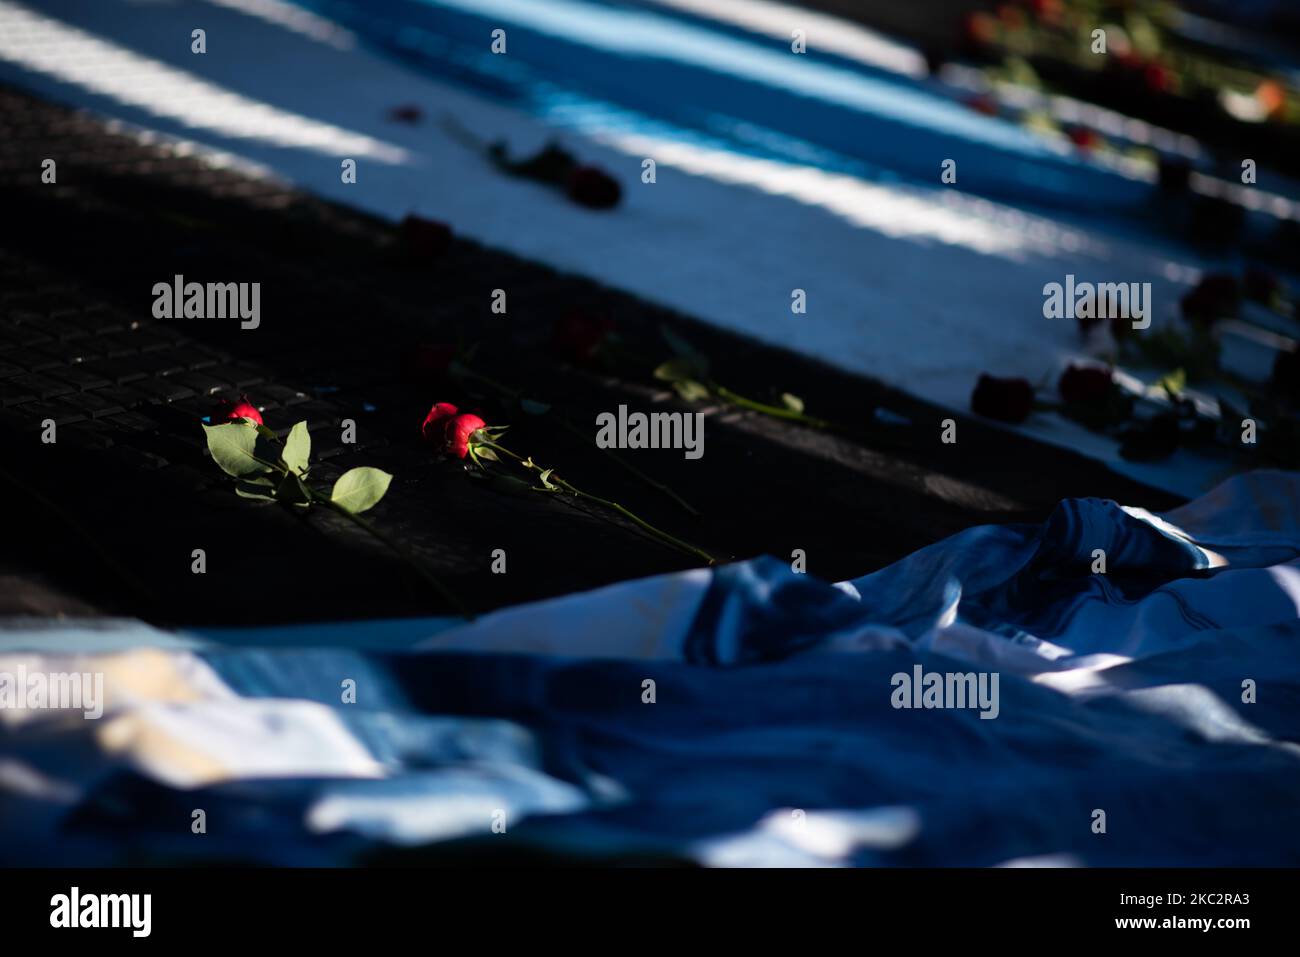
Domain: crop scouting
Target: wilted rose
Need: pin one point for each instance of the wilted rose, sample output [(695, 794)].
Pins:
[(593, 188), (1085, 385), (1007, 400)]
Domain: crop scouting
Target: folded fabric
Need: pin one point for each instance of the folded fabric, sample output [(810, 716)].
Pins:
[(1110, 687)]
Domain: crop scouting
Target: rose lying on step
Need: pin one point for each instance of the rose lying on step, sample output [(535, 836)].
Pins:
[(449, 430), (1007, 400), (462, 435), (273, 470)]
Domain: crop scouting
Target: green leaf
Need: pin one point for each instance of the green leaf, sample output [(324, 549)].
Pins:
[(243, 492), (232, 445), (679, 368), (792, 402), (1173, 383), (690, 390), (546, 480), (483, 452), (292, 491), (360, 489), (297, 449)]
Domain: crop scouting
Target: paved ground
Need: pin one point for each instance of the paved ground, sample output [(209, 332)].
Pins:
[(108, 516)]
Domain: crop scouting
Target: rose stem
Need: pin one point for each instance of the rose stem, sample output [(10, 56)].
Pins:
[(574, 430), (781, 413), (642, 523)]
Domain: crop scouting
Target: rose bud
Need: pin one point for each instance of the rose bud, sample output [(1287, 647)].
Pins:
[(1157, 78), (1214, 297), (1050, 12), (978, 30), (1085, 385), (593, 188), (1013, 18), (1286, 376), (1083, 137), (1007, 400), (227, 411), (435, 422), (1272, 97), (456, 435), (428, 360), (578, 335), (425, 239)]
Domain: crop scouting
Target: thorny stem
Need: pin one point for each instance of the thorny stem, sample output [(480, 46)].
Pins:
[(574, 430), (626, 513), (773, 410)]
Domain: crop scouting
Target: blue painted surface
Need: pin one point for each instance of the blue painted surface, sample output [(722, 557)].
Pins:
[(665, 71)]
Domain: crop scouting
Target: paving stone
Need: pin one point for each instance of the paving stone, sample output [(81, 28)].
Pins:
[(43, 386)]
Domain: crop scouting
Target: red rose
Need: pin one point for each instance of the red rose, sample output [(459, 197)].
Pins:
[(593, 188), (578, 335), (1157, 78), (1007, 400), (1047, 11), (227, 411), (425, 239), (978, 30), (1083, 137), (1085, 385), (1013, 18), (436, 421), (1214, 297), (457, 434)]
